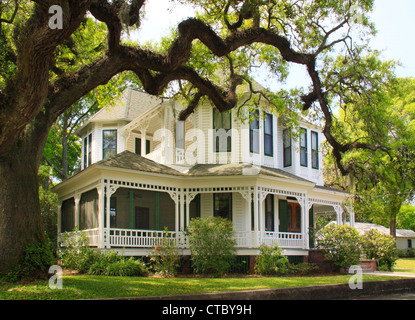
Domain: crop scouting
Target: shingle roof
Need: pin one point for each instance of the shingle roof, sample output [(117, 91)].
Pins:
[(242, 169), (132, 161)]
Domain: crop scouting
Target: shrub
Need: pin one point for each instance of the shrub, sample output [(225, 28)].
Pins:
[(380, 247), (165, 257), (126, 268), (75, 254), (341, 245), (74, 251), (211, 244), (271, 260), (302, 269)]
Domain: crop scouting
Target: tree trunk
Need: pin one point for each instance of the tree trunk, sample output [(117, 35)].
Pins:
[(393, 227), (20, 216), (20, 219), (64, 141)]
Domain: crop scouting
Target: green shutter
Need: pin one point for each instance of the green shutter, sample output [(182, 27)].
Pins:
[(282, 209), (311, 228)]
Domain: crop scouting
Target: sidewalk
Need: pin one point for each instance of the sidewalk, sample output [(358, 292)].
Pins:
[(393, 274)]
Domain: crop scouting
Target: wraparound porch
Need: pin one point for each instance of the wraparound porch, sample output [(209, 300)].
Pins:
[(138, 212)]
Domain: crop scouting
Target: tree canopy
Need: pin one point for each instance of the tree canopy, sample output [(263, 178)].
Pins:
[(384, 180)]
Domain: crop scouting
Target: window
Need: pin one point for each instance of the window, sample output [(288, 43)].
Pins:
[(287, 148), (88, 150), (268, 136), (409, 243), (269, 213), (180, 134), (85, 152), (138, 146), (222, 126), (222, 205), (314, 150), (303, 148), (109, 143), (254, 133)]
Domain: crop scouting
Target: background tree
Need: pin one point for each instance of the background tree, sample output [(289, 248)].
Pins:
[(37, 86), (384, 180)]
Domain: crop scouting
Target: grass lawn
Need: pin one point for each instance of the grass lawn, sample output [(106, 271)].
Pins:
[(405, 265), (96, 287)]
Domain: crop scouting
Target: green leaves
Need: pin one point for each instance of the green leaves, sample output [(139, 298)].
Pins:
[(211, 244)]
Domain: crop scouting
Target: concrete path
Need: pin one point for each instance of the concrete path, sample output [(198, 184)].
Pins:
[(393, 274)]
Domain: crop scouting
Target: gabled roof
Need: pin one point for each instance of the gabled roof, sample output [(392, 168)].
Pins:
[(131, 104)]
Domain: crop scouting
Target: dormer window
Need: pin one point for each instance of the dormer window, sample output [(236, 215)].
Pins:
[(222, 131), (109, 143), (303, 148)]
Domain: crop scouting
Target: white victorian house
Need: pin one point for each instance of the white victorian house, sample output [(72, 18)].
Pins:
[(143, 171)]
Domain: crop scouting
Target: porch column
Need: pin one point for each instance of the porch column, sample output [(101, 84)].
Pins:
[(143, 130), (305, 221), (59, 217), (256, 220), (143, 142), (110, 190), (261, 198), (77, 200), (101, 206), (175, 196), (339, 214), (182, 203), (351, 217)]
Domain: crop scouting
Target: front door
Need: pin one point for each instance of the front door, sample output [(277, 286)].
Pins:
[(142, 218), (294, 217)]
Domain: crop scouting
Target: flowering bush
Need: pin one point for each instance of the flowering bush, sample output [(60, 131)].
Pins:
[(380, 247), (341, 243)]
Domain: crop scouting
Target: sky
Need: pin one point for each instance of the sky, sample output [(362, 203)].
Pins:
[(394, 20)]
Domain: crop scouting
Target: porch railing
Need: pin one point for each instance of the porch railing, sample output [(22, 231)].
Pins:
[(284, 239), (128, 238), (244, 239)]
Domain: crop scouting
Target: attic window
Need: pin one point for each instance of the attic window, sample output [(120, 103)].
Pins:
[(109, 143)]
